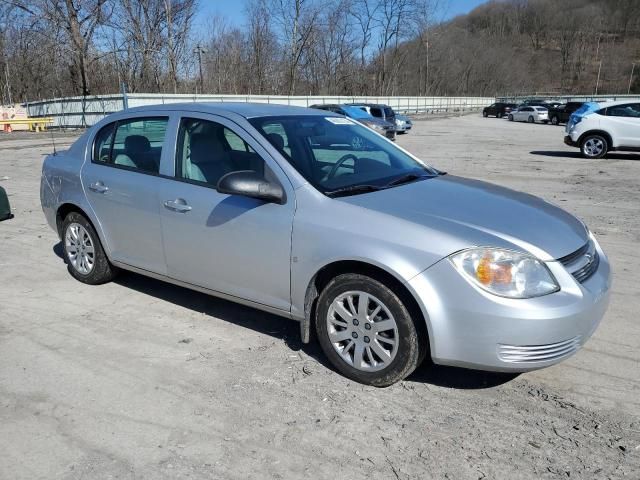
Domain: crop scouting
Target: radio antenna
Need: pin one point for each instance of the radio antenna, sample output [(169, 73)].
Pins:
[(53, 141)]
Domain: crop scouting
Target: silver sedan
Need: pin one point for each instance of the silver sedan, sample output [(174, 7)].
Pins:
[(311, 216)]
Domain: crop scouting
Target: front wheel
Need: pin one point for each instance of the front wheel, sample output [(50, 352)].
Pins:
[(84, 255), (531, 119), (555, 120), (594, 146), (485, 114), (367, 332), (510, 118)]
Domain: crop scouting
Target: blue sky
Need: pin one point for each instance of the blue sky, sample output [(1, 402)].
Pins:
[(233, 10)]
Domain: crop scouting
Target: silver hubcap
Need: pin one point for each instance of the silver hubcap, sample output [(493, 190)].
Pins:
[(79, 248), (362, 331), (593, 147)]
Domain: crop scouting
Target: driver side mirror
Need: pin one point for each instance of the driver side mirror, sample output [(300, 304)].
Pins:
[(251, 184)]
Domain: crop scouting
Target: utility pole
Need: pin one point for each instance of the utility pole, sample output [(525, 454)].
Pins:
[(633, 67), (598, 80), (199, 50)]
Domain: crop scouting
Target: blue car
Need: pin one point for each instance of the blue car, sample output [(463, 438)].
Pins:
[(359, 115)]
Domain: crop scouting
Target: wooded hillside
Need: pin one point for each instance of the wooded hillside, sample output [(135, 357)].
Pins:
[(54, 48)]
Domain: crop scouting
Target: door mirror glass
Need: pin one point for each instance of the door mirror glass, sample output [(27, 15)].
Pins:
[(251, 184)]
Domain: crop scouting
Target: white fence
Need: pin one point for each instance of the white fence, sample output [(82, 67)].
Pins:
[(85, 111)]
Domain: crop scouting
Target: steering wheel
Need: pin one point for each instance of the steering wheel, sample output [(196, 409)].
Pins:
[(339, 163)]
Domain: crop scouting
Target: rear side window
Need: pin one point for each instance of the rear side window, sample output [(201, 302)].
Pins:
[(102, 144), (630, 110), (134, 144)]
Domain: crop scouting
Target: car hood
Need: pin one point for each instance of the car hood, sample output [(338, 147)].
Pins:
[(477, 213)]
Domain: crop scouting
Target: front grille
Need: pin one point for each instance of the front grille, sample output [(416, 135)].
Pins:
[(538, 353), (583, 262)]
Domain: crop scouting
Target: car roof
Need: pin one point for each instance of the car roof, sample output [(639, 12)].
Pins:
[(616, 103), (246, 110)]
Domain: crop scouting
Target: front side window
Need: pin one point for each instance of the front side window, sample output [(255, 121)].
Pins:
[(376, 112), (335, 153), (134, 144), (208, 150)]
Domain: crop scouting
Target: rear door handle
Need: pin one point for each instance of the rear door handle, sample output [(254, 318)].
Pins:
[(98, 187), (177, 205)]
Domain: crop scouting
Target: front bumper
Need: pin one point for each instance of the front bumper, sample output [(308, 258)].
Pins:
[(569, 141), (469, 327)]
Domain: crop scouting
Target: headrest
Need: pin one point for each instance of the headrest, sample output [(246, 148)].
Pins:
[(276, 140), (136, 144), (205, 148)]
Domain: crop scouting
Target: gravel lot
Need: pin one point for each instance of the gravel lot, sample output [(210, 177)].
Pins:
[(138, 379)]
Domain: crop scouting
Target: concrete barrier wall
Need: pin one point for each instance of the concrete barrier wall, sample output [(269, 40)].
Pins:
[(86, 111)]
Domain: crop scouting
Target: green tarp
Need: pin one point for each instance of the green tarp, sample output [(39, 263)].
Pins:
[(5, 209)]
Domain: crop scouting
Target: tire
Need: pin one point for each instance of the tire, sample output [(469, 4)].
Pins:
[(510, 118), (555, 120), (90, 265), (594, 146), (500, 115), (531, 119), (349, 332), (485, 114)]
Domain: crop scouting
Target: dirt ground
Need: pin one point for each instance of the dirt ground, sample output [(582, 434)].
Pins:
[(138, 379)]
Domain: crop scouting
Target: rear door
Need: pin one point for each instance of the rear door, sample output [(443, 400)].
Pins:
[(231, 244), (624, 122), (121, 180)]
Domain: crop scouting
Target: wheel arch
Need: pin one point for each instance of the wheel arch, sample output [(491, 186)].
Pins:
[(390, 279), (66, 208), (602, 133)]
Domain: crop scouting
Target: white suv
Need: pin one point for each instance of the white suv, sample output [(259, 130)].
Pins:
[(600, 128)]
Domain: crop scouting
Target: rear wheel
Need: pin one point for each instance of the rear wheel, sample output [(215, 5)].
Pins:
[(555, 120), (485, 114), (594, 146), (499, 115), (84, 255), (367, 332), (510, 118)]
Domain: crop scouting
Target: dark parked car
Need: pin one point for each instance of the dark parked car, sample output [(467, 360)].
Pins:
[(561, 113), (498, 109), (361, 116), (385, 112)]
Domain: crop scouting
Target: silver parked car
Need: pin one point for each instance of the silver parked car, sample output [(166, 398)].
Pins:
[(403, 124), (529, 114), (314, 217)]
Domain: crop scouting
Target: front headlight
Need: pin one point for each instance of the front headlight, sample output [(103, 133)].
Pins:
[(377, 126), (505, 273)]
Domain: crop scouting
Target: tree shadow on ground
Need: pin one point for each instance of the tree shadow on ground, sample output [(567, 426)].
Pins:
[(289, 330)]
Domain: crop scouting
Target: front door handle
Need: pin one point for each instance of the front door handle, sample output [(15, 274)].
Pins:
[(177, 205), (98, 187)]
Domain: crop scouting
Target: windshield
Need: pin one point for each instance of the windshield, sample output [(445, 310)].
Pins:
[(355, 112), (334, 153)]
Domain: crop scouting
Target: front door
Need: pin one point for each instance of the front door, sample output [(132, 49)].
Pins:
[(228, 243), (121, 180)]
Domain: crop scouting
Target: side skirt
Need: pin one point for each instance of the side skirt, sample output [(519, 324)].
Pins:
[(207, 291)]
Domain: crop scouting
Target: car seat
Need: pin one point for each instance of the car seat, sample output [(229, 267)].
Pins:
[(208, 161)]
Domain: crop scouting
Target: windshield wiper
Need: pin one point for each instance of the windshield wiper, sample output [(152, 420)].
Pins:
[(353, 189), (409, 177)]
